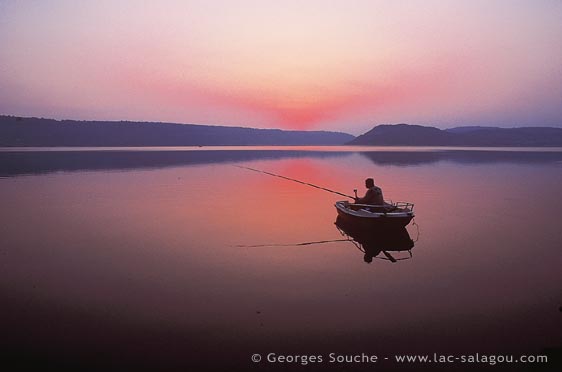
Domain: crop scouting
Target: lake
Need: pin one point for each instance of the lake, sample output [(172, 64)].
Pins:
[(179, 259)]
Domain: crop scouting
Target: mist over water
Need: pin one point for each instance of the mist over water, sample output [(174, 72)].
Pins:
[(169, 257)]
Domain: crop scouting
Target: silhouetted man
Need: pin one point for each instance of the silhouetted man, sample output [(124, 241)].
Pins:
[(373, 195)]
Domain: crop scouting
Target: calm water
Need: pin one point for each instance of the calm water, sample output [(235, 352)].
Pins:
[(179, 259)]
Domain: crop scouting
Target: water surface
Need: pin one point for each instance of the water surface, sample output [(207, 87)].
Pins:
[(176, 258)]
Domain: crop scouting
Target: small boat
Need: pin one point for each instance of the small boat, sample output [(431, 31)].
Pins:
[(389, 215)]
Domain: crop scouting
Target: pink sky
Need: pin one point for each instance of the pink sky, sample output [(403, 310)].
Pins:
[(335, 65)]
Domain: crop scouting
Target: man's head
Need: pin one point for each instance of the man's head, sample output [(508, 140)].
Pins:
[(369, 182)]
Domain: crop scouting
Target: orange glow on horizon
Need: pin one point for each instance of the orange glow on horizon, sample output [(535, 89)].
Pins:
[(291, 65), (299, 109)]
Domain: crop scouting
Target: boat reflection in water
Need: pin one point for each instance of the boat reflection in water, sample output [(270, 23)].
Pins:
[(377, 242)]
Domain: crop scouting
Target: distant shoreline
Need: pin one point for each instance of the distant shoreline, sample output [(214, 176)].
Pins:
[(38, 132)]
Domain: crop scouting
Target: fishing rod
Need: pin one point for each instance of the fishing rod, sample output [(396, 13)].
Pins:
[(294, 180)]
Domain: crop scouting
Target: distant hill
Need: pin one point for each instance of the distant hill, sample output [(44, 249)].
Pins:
[(468, 129), (417, 135), (16, 131)]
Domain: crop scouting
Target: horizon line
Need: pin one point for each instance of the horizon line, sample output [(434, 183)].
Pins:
[(279, 129)]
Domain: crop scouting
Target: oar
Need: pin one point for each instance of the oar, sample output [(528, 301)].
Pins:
[(294, 180)]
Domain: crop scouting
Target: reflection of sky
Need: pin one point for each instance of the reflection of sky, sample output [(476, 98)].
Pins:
[(168, 235), (314, 64), (20, 161)]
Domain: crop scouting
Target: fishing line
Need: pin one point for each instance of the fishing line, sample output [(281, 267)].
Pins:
[(289, 244), (417, 230)]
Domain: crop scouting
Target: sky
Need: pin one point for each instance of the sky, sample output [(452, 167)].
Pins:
[(312, 65)]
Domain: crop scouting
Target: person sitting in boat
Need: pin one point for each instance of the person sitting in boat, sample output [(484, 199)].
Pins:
[(373, 195)]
